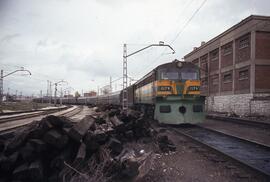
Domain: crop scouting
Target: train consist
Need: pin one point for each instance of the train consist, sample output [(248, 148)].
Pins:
[(170, 93)]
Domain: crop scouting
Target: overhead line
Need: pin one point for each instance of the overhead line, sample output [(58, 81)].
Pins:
[(178, 34), (189, 20)]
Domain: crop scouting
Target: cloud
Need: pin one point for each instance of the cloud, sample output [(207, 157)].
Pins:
[(82, 40), (8, 38)]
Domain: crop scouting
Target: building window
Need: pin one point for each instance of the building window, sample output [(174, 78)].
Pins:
[(227, 49), (204, 58), (214, 55), (243, 75), (244, 42), (204, 67), (215, 81), (227, 78)]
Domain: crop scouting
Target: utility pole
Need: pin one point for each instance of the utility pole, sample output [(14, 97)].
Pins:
[(125, 96), (1, 89), (48, 88), (55, 92), (110, 84), (97, 94), (1, 82), (41, 96), (61, 96), (50, 92)]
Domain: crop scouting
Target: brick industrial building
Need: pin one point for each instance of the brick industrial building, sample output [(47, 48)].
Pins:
[(235, 68)]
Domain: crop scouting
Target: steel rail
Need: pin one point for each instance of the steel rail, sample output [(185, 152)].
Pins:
[(9, 131), (27, 111), (252, 155), (72, 113), (27, 115)]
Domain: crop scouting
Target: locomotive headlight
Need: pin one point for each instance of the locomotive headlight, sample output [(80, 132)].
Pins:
[(164, 88), (194, 88), (179, 64)]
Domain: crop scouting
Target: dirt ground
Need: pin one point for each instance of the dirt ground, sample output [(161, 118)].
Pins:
[(192, 162), (22, 106)]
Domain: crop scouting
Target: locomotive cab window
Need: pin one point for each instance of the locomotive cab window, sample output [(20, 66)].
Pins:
[(185, 73), (189, 76), (169, 75)]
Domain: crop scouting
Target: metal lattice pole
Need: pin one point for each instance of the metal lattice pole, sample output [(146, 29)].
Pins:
[(55, 92), (125, 77), (1, 89), (50, 92)]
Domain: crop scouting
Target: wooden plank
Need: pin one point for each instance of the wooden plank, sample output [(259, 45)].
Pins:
[(80, 129)]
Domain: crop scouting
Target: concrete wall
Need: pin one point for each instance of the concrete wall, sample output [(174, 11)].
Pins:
[(240, 104)]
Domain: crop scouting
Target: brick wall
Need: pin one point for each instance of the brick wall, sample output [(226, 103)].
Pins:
[(204, 86), (242, 80), (227, 55), (204, 65), (242, 48), (262, 45), (262, 77), (213, 84), (226, 81), (214, 60)]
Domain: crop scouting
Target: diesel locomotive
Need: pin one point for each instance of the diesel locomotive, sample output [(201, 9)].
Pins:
[(170, 93)]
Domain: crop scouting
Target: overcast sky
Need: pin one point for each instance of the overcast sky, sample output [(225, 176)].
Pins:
[(81, 41)]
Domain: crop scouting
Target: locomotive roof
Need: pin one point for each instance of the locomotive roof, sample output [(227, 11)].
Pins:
[(165, 65)]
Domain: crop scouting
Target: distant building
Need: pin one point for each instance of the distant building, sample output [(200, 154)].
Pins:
[(68, 96), (235, 68), (90, 94)]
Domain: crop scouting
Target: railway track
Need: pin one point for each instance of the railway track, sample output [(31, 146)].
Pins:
[(73, 112), (12, 125), (29, 114), (248, 153)]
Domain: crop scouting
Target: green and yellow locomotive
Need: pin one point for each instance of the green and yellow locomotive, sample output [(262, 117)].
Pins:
[(172, 92)]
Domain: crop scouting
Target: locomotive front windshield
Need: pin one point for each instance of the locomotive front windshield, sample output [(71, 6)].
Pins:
[(169, 75), (189, 76), (178, 74)]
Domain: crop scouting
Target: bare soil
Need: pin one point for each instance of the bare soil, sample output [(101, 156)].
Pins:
[(23, 106), (193, 162)]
